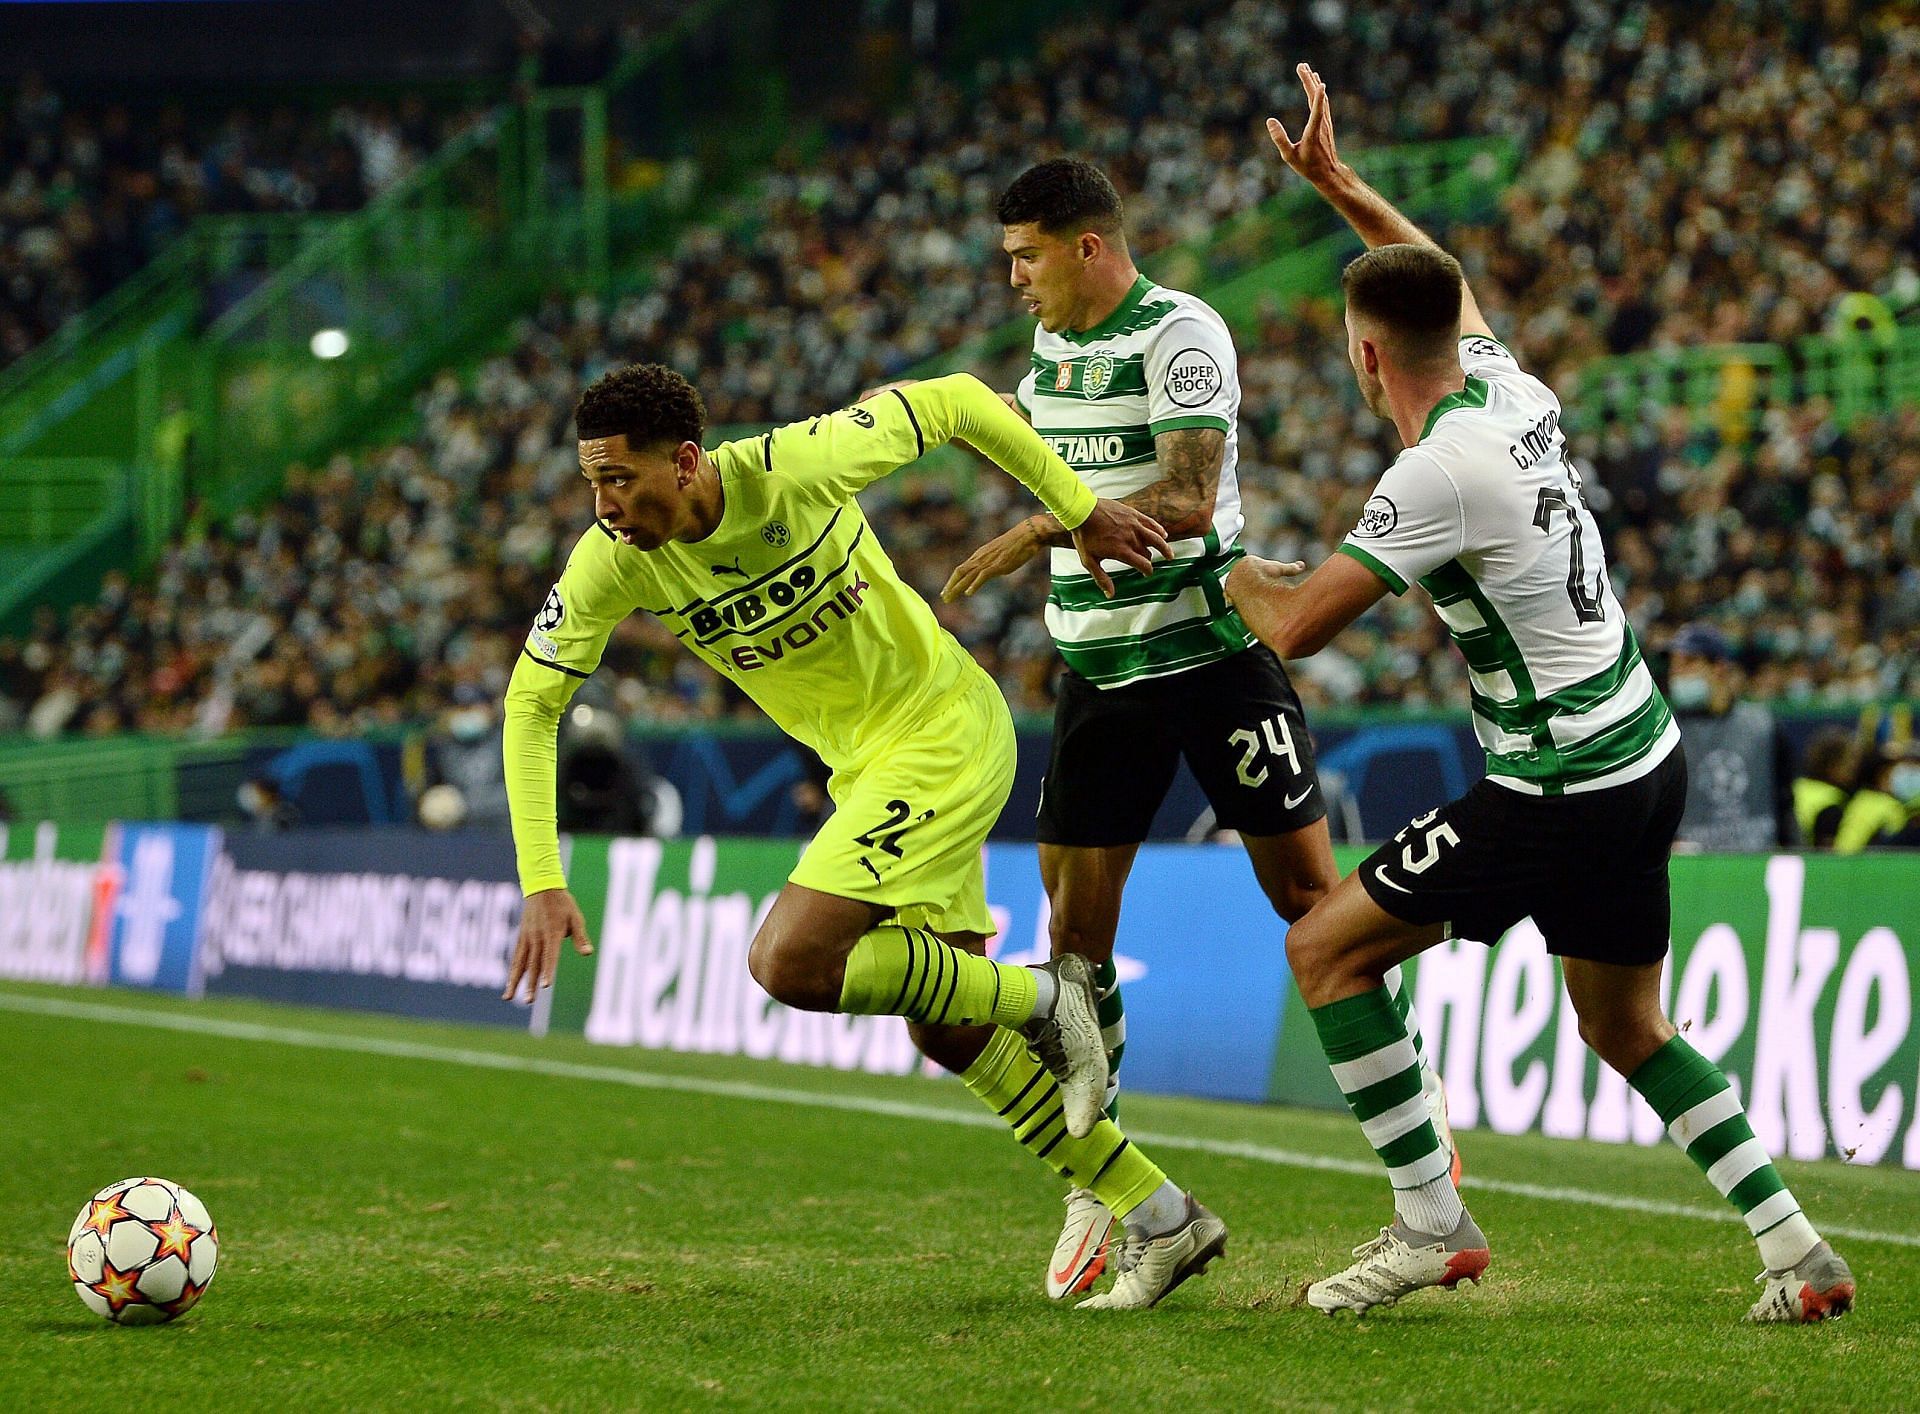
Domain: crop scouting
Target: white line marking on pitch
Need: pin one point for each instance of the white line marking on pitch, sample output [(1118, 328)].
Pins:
[(816, 1099)]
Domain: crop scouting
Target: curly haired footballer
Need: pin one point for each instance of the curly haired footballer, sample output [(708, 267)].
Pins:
[(648, 403)]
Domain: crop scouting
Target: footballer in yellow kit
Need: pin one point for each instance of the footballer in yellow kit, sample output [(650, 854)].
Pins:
[(792, 597), (758, 558)]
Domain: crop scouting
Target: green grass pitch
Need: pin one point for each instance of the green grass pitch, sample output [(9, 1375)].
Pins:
[(414, 1218)]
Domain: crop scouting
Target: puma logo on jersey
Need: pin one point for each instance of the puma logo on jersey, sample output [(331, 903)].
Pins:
[(733, 568)]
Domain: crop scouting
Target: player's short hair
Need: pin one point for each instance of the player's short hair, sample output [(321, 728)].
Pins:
[(1064, 196), (648, 403), (1411, 290)]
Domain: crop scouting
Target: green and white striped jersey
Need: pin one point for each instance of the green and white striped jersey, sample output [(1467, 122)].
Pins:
[(1163, 360), (1488, 515)]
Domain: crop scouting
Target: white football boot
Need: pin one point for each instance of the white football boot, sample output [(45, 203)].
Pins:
[(1151, 1267), (1399, 1262), (1081, 1253), (1819, 1287), (1067, 1042)]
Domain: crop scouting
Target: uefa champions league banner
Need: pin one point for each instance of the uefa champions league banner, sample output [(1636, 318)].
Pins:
[(395, 920)]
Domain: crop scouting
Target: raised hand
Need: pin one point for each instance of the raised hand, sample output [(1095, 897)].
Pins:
[(1314, 156)]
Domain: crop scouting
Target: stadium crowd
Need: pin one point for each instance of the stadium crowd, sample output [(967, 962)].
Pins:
[(1663, 203), (89, 192)]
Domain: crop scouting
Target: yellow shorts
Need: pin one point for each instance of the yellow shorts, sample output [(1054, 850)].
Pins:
[(907, 828)]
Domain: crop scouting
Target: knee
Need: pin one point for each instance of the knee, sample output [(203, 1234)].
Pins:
[(1307, 956), (1293, 899), (787, 976), (953, 1048), (1077, 932), (1626, 1040)]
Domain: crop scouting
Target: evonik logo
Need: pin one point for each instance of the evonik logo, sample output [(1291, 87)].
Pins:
[(751, 656)]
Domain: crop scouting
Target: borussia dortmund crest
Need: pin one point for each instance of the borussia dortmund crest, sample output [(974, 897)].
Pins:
[(775, 534), (1098, 374)]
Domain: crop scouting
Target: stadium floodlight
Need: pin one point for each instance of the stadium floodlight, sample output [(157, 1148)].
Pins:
[(328, 343)]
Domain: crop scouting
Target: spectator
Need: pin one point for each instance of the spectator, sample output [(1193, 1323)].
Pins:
[(464, 755), (265, 807), (1820, 791), (90, 193), (1734, 775), (1880, 814), (382, 578)]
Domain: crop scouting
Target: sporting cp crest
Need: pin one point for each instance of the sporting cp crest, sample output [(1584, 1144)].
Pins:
[(1099, 373)]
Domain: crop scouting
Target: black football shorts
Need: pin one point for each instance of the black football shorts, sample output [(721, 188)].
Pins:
[(1237, 722)]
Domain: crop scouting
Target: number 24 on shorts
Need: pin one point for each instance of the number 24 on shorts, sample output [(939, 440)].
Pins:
[(1279, 742)]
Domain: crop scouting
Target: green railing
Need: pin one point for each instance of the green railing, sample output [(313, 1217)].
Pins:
[(219, 411), (365, 306), (46, 501), (1731, 387), (203, 375)]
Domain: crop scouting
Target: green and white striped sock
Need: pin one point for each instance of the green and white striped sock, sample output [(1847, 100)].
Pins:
[(1705, 1118), (1113, 1029), (1378, 1070), (1396, 984), (1403, 1003)]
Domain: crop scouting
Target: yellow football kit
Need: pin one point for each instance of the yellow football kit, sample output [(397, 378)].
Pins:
[(793, 599)]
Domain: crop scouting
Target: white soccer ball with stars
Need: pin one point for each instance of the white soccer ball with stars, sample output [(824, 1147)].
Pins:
[(142, 1251)]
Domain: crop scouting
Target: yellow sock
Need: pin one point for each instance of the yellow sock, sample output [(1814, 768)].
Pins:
[(1015, 1086), (900, 971)]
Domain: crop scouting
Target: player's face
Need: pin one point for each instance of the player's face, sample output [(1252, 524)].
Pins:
[(639, 493), (1365, 358), (1046, 270)]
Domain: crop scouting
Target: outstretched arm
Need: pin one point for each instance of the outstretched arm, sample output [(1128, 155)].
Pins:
[(839, 454), (1373, 218), (1102, 529), (1298, 620)]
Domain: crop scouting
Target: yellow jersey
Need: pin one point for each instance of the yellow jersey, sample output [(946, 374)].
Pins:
[(790, 595)]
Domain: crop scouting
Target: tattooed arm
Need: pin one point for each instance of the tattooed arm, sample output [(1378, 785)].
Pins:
[(1182, 499)]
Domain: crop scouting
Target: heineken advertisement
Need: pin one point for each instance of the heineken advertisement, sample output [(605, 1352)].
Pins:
[(1793, 972), (671, 922)]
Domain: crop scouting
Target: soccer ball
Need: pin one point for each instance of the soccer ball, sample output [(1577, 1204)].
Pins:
[(142, 1251)]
